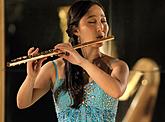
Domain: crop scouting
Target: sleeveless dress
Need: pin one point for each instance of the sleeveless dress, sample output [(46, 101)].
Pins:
[(96, 107)]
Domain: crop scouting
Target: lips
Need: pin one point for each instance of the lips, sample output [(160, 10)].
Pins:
[(100, 37)]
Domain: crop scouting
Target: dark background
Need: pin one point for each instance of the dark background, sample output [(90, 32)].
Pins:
[(138, 27)]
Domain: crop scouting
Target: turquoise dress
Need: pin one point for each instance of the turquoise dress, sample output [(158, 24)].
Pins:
[(96, 107)]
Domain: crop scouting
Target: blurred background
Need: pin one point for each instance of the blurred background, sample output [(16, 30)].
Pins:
[(139, 30)]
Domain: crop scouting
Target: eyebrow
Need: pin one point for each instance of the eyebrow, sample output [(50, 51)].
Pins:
[(94, 16)]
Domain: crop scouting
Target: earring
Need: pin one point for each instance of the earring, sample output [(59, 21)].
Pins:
[(78, 40)]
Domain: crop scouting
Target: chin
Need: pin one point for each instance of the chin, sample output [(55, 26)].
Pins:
[(98, 45)]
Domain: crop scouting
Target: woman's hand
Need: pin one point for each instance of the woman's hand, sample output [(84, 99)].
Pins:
[(33, 67), (69, 53)]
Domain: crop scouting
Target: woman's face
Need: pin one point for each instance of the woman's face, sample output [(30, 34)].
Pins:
[(93, 25)]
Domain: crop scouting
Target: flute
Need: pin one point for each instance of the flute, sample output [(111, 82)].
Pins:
[(52, 52)]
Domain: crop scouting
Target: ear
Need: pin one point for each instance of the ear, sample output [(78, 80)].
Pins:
[(76, 31)]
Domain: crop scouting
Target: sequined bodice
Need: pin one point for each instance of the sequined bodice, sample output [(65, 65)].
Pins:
[(96, 107)]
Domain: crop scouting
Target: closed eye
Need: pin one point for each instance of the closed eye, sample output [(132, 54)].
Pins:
[(91, 21), (103, 21)]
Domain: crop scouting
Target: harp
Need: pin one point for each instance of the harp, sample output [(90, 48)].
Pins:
[(143, 87)]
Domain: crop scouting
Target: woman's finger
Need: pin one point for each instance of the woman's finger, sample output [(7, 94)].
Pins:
[(63, 46), (35, 52), (30, 50), (41, 61)]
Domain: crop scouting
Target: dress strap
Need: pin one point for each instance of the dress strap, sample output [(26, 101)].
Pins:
[(56, 80), (55, 67)]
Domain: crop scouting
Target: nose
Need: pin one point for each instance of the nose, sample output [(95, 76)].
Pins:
[(100, 27)]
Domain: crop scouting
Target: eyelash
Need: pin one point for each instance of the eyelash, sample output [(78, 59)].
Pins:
[(91, 22), (104, 21)]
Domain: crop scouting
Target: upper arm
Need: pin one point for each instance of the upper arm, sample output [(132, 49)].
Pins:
[(120, 72), (47, 76), (43, 80)]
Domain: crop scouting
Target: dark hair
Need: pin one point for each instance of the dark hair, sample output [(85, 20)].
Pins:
[(75, 76), (76, 12)]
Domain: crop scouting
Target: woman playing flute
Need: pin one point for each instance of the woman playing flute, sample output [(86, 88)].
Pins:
[(85, 83)]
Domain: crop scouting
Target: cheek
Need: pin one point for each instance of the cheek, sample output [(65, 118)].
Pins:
[(106, 29), (87, 33), (87, 30)]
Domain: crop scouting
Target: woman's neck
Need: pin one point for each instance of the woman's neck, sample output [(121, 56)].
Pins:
[(91, 53)]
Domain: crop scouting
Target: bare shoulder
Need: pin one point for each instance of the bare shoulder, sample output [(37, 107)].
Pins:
[(59, 62), (114, 62), (49, 67), (60, 69), (49, 64), (120, 66)]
